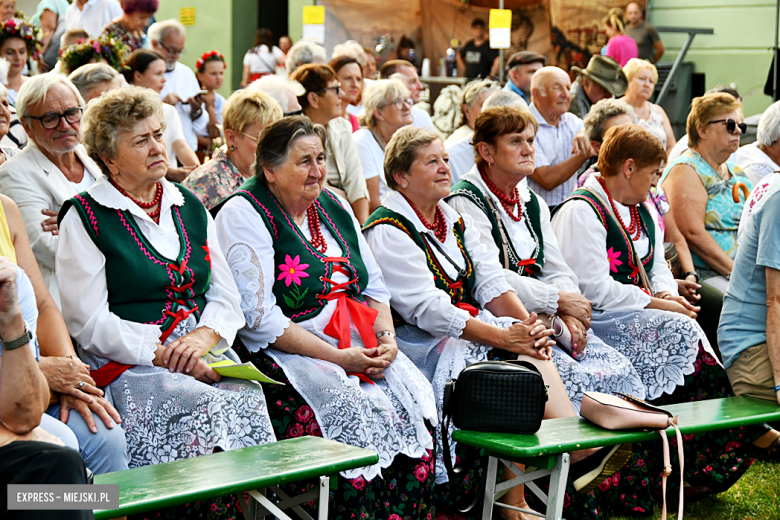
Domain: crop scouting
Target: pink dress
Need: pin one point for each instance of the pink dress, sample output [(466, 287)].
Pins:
[(622, 48)]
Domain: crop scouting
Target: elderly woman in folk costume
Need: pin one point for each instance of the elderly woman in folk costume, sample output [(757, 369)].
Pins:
[(317, 319), (614, 245), (457, 307), (514, 225)]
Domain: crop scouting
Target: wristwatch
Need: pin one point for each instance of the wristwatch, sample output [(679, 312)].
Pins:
[(21, 341), (691, 273), (385, 333)]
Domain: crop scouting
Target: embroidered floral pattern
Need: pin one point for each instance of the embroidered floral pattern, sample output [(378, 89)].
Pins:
[(613, 256), (292, 270)]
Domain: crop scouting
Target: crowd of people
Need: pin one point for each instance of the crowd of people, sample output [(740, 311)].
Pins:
[(318, 225)]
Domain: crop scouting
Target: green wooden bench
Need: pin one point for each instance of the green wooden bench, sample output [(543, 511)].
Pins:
[(253, 470), (546, 453)]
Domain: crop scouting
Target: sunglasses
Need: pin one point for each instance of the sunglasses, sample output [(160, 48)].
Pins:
[(731, 126), (336, 89)]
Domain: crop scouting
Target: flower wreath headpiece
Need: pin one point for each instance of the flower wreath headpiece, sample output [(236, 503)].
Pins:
[(31, 34), (105, 47), (208, 56)]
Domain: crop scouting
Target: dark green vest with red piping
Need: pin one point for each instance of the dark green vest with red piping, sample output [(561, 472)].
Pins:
[(620, 247), (304, 272), (532, 220), (143, 285), (460, 290)]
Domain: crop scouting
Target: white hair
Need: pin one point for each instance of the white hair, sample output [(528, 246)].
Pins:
[(769, 125), (277, 87), (380, 94), (91, 75), (159, 30), (304, 52), (352, 49), (505, 98), (35, 89), (3, 91)]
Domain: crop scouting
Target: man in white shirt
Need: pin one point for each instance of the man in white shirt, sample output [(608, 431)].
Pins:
[(561, 145), (53, 167), (408, 74), (762, 158), (91, 15), (181, 88)]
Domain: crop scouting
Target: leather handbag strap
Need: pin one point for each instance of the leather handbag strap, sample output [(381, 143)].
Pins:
[(501, 231), (644, 279), (668, 466)]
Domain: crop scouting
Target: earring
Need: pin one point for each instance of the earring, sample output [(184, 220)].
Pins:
[(232, 148), (403, 185)]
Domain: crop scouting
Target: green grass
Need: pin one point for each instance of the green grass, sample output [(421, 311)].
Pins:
[(756, 496)]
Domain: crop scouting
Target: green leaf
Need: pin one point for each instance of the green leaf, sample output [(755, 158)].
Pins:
[(288, 301)]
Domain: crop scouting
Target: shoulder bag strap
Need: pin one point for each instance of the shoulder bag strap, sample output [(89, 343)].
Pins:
[(461, 270), (501, 231), (638, 261), (668, 467)]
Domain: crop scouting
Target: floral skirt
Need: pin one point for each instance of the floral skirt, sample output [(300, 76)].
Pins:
[(404, 491), (715, 459)]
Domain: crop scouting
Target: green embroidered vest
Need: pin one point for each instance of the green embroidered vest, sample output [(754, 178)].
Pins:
[(460, 290), (522, 266), (303, 271), (143, 285), (620, 247)]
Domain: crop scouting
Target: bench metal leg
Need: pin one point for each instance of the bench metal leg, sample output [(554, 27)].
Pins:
[(558, 476), (322, 505), (263, 506), (554, 499)]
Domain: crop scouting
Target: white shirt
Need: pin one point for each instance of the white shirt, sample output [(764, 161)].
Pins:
[(539, 293), (582, 239), (422, 119), (756, 163), (261, 60), (173, 131), (460, 133), (553, 145), (249, 249), (85, 292), (96, 15), (183, 82), (414, 294), (31, 180), (372, 158), (462, 158)]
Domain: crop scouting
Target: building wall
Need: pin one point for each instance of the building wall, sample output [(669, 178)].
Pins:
[(296, 18), (740, 50), (227, 26)]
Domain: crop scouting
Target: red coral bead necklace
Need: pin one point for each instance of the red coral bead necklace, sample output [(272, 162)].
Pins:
[(508, 202), (439, 226), (154, 215), (635, 225), (317, 240)]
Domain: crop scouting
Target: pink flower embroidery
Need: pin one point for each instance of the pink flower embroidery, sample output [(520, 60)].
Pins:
[(612, 255), (292, 270)]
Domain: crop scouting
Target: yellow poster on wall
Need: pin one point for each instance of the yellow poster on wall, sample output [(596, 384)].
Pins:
[(500, 28), (314, 23), (187, 15)]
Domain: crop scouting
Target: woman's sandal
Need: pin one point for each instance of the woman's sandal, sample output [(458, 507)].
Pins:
[(591, 471)]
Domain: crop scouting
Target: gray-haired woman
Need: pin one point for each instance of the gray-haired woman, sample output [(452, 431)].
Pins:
[(388, 107), (94, 79), (148, 294), (317, 319), (471, 101)]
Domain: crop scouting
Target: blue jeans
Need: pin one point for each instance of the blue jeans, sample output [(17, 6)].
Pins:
[(104, 451)]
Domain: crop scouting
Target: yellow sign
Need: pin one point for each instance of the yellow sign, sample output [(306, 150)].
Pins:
[(500, 18), (187, 15), (314, 15)]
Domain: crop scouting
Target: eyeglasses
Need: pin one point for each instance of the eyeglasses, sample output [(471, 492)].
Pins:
[(335, 88), (731, 125), (296, 113), (252, 137), (173, 52), (52, 121), (399, 103)]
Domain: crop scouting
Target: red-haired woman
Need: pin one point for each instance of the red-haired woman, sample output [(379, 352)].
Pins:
[(129, 28)]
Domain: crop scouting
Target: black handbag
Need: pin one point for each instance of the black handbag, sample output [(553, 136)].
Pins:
[(492, 396)]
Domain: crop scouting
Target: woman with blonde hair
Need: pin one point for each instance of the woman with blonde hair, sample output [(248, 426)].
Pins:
[(642, 77), (388, 106)]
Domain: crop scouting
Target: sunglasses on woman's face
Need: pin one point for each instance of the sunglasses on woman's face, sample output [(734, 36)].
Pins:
[(731, 126)]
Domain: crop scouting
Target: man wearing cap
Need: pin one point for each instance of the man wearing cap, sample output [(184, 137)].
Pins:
[(602, 79), (521, 68)]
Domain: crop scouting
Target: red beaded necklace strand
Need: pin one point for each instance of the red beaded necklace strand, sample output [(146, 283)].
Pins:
[(635, 224), (507, 202), (154, 215), (317, 240), (439, 226)]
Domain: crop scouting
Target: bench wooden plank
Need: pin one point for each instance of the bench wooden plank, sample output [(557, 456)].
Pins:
[(200, 478), (575, 433)]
